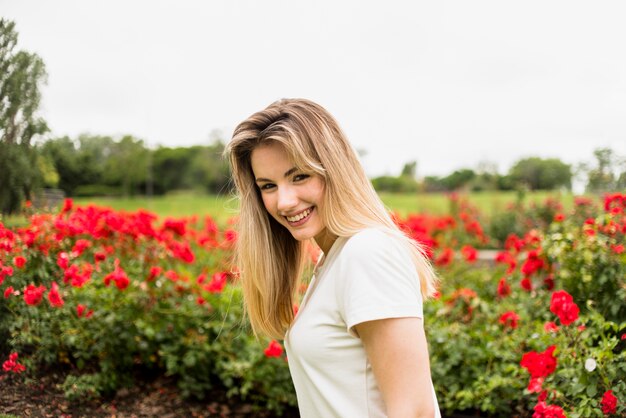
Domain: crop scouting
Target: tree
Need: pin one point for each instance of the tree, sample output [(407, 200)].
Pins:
[(541, 174), (21, 74), (458, 179), (601, 178), (127, 165), (409, 170)]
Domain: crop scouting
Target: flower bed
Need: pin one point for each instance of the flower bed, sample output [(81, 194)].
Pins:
[(108, 295)]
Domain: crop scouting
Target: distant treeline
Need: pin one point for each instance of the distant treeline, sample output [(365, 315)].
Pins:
[(100, 165), (606, 173)]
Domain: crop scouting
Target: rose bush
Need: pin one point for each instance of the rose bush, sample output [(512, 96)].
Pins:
[(111, 296)]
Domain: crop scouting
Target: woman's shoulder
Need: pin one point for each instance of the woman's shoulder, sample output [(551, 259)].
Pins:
[(370, 241)]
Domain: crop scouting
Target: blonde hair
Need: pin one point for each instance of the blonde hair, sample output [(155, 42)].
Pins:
[(269, 259)]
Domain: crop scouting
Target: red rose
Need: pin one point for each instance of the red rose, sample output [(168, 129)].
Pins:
[(63, 260), (274, 349), (469, 253), (540, 364), (542, 410), (549, 282), (155, 271), (609, 403), (217, 283), (503, 288), (533, 263), (19, 261), (509, 319), (11, 365), (118, 276), (54, 297), (33, 295), (535, 385), (618, 248), (562, 305), (445, 257), (505, 257), (67, 205), (526, 284)]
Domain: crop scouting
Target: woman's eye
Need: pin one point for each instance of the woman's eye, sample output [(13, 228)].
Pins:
[(266, 186), (300, 177)]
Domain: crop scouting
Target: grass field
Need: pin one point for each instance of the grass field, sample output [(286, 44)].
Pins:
[(225, 206), (222, 207)]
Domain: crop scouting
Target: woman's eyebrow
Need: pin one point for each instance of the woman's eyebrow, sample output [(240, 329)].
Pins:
[(287, 174)]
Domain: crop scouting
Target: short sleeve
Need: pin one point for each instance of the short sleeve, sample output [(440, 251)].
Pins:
[(378, 280)]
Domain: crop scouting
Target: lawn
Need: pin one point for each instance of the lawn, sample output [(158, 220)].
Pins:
[(224, 206)]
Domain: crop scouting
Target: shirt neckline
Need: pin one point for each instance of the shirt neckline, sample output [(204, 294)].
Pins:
[(320, 268)]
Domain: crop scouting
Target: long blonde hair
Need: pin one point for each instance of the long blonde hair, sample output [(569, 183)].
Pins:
[(269, 259)]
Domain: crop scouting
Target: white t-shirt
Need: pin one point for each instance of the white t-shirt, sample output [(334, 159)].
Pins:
[(366, 277)]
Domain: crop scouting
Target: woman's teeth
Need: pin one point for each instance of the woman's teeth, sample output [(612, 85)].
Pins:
[(299, 216)]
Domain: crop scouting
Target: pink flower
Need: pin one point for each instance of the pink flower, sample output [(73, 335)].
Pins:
[(535, 385), (550, 327), (8, 292)]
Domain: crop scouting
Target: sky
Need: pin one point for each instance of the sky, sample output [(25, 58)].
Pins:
[(450, 84)]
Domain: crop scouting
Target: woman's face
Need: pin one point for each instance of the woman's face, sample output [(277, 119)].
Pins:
[(291, 196)]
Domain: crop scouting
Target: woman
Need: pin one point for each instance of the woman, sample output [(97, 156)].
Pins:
[(356, 346)]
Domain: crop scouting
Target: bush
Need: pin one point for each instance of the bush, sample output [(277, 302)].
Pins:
[(110, 296), (400, 184)]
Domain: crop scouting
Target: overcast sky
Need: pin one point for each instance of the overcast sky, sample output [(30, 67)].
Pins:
[(450, 84)]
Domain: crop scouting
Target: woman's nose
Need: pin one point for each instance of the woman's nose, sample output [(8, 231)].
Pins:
[(287, 199)]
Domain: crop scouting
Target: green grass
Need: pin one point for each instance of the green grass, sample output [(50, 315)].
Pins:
[(176, 205), (488, 203), (225, 206)]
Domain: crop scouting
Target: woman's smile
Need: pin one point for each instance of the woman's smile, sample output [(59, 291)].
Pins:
[(301, 217)]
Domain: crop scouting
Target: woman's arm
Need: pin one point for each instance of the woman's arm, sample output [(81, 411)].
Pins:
[(398, 353)]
